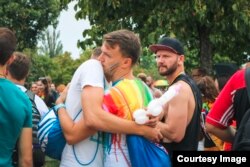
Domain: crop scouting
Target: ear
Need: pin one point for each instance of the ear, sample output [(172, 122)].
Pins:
[(182, 59), (127, 62), (11, 59)]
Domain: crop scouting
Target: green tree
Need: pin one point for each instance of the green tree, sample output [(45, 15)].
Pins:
[(40, 65), (147, 64), (64, 68), (50, 43), (206, 28), (60, 68), (29, 18)]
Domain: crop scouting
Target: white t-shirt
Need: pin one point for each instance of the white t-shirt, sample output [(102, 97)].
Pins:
[(88, 73), (118, 155)]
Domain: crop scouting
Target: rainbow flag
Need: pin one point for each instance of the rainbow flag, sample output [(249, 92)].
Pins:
[(122, 100), (127, 96)]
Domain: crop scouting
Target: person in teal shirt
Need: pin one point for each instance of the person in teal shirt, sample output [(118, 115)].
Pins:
[(15, 109)]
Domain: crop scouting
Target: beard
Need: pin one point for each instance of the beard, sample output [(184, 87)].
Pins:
[(108, 76), (169, 70), (109, 71)]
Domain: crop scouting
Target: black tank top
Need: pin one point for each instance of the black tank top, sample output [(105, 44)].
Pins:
[(191, 138)]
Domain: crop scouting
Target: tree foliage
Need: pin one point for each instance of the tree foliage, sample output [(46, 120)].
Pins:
[(64, 68), (147, 64), (206, 28), (60, 68), (50, 43), (28, 18)]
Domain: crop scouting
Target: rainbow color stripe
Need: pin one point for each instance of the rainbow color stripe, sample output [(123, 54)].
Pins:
[(126, 97)]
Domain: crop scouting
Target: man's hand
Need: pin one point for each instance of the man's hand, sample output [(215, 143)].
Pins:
[(63, 95), (152, 122), (153, 134)]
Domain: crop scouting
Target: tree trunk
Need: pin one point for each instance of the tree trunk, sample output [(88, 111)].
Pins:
[(206, 57)]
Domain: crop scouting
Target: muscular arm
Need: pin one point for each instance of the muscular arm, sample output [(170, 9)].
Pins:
[(25, 148), (73, 132), (176, 117), (224, 134)]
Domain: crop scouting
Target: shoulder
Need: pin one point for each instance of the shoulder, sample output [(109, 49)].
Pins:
[(10, 89), (10, 85), (90, 66), (237, 81), (188, 84), (185, 94), (92, 62), (184, 86), (239, 75)]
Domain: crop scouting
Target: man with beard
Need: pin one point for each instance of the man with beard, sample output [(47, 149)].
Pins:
[(180, 122)]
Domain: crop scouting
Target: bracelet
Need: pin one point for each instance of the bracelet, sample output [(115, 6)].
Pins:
[(57, 107)]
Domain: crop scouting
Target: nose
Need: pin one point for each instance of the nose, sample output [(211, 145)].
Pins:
[(160, 60), (100, 58)]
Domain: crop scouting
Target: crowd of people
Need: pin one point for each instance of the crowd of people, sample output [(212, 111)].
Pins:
[(108, 96)]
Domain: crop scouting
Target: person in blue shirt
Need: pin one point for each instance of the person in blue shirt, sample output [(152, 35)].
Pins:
[(15, 109)]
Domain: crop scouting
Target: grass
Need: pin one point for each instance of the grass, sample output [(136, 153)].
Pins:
[(49, 162)]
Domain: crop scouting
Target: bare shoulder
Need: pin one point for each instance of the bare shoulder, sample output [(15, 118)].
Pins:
[(186, 97), (185, 89)]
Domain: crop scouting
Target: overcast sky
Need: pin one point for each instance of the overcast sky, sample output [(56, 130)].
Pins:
[(71, 30)]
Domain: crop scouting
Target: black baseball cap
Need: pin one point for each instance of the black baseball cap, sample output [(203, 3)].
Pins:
[(170, 44)]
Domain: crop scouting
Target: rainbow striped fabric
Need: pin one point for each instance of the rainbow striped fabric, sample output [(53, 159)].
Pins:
[(127, 96), (122, 100)]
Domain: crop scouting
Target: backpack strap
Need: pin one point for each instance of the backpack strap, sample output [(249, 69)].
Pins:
[(30, 94), (247, 80)]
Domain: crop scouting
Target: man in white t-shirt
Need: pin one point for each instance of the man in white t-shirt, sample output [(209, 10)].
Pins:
[(88, 152), (87, 83), (90, 73)]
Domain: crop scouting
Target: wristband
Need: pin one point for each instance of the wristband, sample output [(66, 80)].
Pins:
[(57, 107)]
